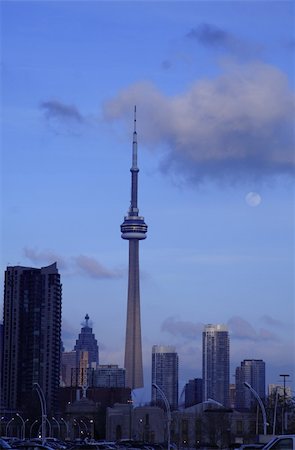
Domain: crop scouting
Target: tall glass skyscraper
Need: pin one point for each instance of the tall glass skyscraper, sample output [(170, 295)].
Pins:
[(216, 364), (165, 374), (32, 336), (251, 371)]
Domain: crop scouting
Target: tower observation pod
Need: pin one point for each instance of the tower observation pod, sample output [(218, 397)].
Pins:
[(133, 229)]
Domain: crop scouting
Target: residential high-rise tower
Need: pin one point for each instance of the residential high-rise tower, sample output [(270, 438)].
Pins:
[(32, 336), (165, 374), (133, 229), (216, 364)]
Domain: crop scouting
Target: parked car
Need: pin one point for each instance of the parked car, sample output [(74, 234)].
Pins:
[(4, 444), (7, 443), (282, 442), (31, 445), (251, 446)]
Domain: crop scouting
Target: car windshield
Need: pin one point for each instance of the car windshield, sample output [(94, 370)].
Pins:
[(4, 444)]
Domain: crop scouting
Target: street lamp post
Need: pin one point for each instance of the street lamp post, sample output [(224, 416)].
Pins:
[(7, 426), (23, 429), (49, 427), (248, 386), (66, 425), (41, 396), (1, 419), (84, 424), (58, 426), (79, 428), (31, 427), (167, 405)]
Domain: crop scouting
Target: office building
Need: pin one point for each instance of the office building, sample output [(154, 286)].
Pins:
[(133, 229), (165, 375), (32, 336), (216, 364), (193, 392), (86, 342), (68, 369), (251, 371), (108, 376)]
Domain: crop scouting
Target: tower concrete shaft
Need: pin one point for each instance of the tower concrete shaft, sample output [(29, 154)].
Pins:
[(133, 229)]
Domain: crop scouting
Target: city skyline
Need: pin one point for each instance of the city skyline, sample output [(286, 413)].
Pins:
[(214, 87)]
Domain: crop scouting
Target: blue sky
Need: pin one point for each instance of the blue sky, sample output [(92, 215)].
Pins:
[(214, 87)]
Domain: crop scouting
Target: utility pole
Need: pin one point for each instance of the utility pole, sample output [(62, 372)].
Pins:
[(284, 375)]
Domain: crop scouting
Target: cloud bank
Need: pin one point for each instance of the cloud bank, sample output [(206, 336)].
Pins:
[(238, 126), (45, 257), (79, 265), (91, 267), (239, 329), (181, 328)]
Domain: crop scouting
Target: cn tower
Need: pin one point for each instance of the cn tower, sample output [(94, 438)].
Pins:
[(133, 229)]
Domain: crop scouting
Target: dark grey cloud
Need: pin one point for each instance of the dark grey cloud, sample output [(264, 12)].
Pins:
[(166, 64), (91, 267), (211, 36), (268, 320), (186, 329), (54, 109), (240, 329), (44, 257), (82, 265), (237, 127)]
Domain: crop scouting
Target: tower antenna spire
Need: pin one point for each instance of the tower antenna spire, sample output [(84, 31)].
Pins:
[(134, 146)]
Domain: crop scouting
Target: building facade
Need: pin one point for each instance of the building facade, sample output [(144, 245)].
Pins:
[(133, 229), (216, 364), (86, 342), (108, 375), (193, 392), (143, 423), (251, 371), (165, 375), (32, 336), (68, 368)]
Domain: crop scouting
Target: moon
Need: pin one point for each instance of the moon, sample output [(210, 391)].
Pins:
[(253, 199)]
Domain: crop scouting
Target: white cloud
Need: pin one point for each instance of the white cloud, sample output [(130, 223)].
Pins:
[(235, 126)]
